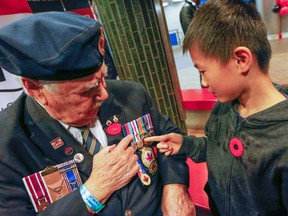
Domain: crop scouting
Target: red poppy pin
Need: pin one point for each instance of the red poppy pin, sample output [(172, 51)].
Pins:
[(114, 127), (236, 147), (69, 151)]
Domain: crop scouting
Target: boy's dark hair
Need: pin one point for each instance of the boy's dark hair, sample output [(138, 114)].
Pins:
[(219, 26)]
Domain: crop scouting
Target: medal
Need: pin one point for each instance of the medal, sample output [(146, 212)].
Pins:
[(37, 191), (54, 182), (70, 174), (143, 176), (145, 179), (51, 184), (42, 204), (140, 128), (137, 145), (149, 160)]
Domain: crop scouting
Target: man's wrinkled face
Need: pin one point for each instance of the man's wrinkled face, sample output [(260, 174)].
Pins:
[(76, 102)]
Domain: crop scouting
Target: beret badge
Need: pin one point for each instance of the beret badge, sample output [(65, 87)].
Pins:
[(101, 42)]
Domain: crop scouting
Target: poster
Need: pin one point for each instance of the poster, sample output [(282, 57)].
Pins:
[(10, 89)]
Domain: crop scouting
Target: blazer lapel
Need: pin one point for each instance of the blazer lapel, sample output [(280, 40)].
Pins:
[(112, 118), (44, 130), (112, 115)]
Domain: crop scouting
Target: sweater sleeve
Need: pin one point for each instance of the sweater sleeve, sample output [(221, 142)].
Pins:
[(282, 167), (194, 148)]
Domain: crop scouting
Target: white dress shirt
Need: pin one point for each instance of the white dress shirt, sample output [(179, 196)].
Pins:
[(96, 129)]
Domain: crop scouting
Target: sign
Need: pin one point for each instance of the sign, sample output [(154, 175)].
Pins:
[(10, 89)]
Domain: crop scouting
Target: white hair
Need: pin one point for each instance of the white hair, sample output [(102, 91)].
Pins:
[(50, 86)]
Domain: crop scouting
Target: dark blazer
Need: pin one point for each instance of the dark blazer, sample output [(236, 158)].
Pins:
[(25, 135)]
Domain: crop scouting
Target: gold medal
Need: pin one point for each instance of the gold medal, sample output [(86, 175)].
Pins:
[(149, 160), (153, 167), (145, 179)]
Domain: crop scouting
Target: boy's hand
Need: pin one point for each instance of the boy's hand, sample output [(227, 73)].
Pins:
[(169, 144)]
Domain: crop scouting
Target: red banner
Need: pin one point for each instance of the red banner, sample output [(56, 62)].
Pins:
[(9, 7)]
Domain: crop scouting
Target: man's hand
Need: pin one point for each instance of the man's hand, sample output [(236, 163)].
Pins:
[(176, 201), (113, 168), (169, 144)]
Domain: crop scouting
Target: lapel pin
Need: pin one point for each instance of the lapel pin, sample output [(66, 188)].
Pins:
[(57, 143), (114, 127), (69, 151), (78, 158)]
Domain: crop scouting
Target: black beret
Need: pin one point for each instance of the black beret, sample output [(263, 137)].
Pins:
[(52, 46)]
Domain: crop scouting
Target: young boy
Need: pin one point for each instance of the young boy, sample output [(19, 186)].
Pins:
[(246, 143)]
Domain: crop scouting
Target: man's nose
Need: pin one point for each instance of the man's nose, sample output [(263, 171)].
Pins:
[(102, 93)]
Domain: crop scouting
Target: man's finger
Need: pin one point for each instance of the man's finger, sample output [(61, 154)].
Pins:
[(134, 169), (110, 148), (132, 164), (106, 150), (124, 142)]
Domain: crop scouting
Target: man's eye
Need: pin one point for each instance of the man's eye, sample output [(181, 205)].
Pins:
[(86, 92)]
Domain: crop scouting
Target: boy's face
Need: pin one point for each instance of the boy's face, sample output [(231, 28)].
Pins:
[(223, 81)]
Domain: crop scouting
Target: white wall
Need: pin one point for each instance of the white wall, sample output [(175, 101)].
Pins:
[(172, 18)]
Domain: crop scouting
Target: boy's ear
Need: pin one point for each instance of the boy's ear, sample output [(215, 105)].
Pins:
[(34, 89), (244, 58)]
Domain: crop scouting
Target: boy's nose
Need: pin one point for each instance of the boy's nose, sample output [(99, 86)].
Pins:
[(203, 82)]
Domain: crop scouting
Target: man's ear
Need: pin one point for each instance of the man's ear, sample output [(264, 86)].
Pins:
[(244, 59), (34, 89)]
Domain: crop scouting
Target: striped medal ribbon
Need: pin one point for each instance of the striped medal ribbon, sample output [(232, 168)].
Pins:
[(70, 174), (52, 183), (37, 191), (139, 128)]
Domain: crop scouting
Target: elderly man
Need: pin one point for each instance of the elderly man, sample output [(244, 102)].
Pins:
[(59, 58)]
